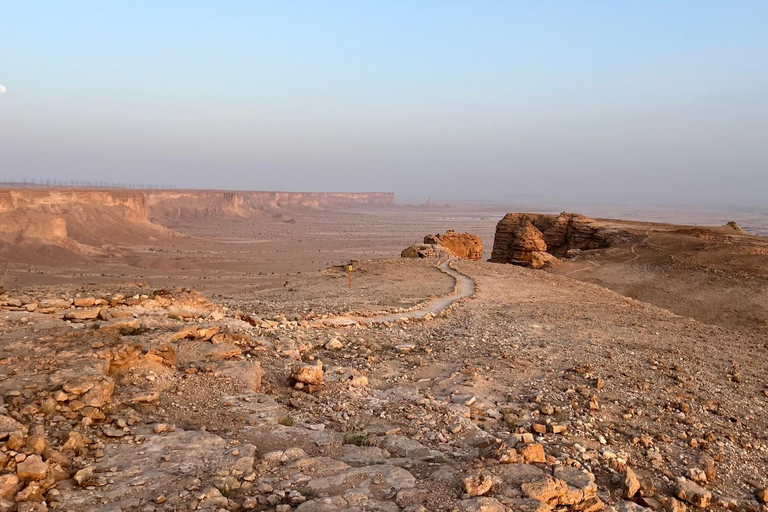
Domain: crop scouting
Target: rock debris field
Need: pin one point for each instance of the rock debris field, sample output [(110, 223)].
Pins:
[(537, 393)]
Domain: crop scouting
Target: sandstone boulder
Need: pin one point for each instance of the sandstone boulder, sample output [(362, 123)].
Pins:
[(462, 245), (423, 251)]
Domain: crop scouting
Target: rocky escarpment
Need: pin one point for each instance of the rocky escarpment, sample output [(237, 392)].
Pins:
[(46, 225), (175, 206), (537, 240), (41, 222)]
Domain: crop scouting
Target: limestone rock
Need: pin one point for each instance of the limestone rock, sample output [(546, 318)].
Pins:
[(8, 425), (693, 493), (477, 485), (403, 446), (125, 327), (480, 505), (307, 375), (32, 468), (9, 485), (82, 315), (387, 476), (630, 484), (85, 302), (533, 453)]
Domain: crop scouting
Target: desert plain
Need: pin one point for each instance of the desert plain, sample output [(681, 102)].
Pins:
[(203, 350)]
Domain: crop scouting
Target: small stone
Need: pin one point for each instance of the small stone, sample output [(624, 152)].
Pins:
[(630, 484), (693, 493), (466, 400), (33, 468), (9, 484), (533, 453), (479, 484), (84, 476), (334, 344), (673, 505), (302, 373), (697, 475)]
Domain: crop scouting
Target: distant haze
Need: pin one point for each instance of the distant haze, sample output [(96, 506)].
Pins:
[(651, 101)]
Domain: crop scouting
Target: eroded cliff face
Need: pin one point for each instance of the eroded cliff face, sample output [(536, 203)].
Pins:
[(175, 206), (74, 218), (94, 221), (536, 240)]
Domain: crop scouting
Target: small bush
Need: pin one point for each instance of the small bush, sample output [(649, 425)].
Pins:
[(361, 438), (287, 421)]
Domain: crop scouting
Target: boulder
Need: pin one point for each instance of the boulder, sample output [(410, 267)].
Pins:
[(82, 315), (307, 375), (32, 468), (466, 246), (423, 251), (693, 493)]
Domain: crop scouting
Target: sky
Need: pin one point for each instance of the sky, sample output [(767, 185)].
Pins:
[(642, 101)]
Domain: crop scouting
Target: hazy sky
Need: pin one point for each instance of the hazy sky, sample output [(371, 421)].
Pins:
[(606, 100)]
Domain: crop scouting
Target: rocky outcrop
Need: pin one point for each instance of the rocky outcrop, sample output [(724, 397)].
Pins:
[(462, 245), (423, 251), (734, 226), (537, 240)]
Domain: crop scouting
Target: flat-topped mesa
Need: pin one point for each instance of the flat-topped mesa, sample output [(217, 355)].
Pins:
[(537, 240), (465, 246)]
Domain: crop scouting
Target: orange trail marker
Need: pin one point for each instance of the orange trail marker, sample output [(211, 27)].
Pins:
[(350, 277)]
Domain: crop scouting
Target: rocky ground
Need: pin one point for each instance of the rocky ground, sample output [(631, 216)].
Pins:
[(540, 393)]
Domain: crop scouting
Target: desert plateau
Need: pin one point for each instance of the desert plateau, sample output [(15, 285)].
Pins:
[(207, 350)]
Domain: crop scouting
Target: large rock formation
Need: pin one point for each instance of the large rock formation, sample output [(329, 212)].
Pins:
[(463, 245), (537, 240)]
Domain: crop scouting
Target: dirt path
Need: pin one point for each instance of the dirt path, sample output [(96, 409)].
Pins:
[(634, 247), (465, 287), (592, 264)]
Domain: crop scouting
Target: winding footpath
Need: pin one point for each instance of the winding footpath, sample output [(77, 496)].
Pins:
[(464, 287), (633, 249)]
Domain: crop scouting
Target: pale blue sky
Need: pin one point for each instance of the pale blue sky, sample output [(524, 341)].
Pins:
[(605, 100)]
